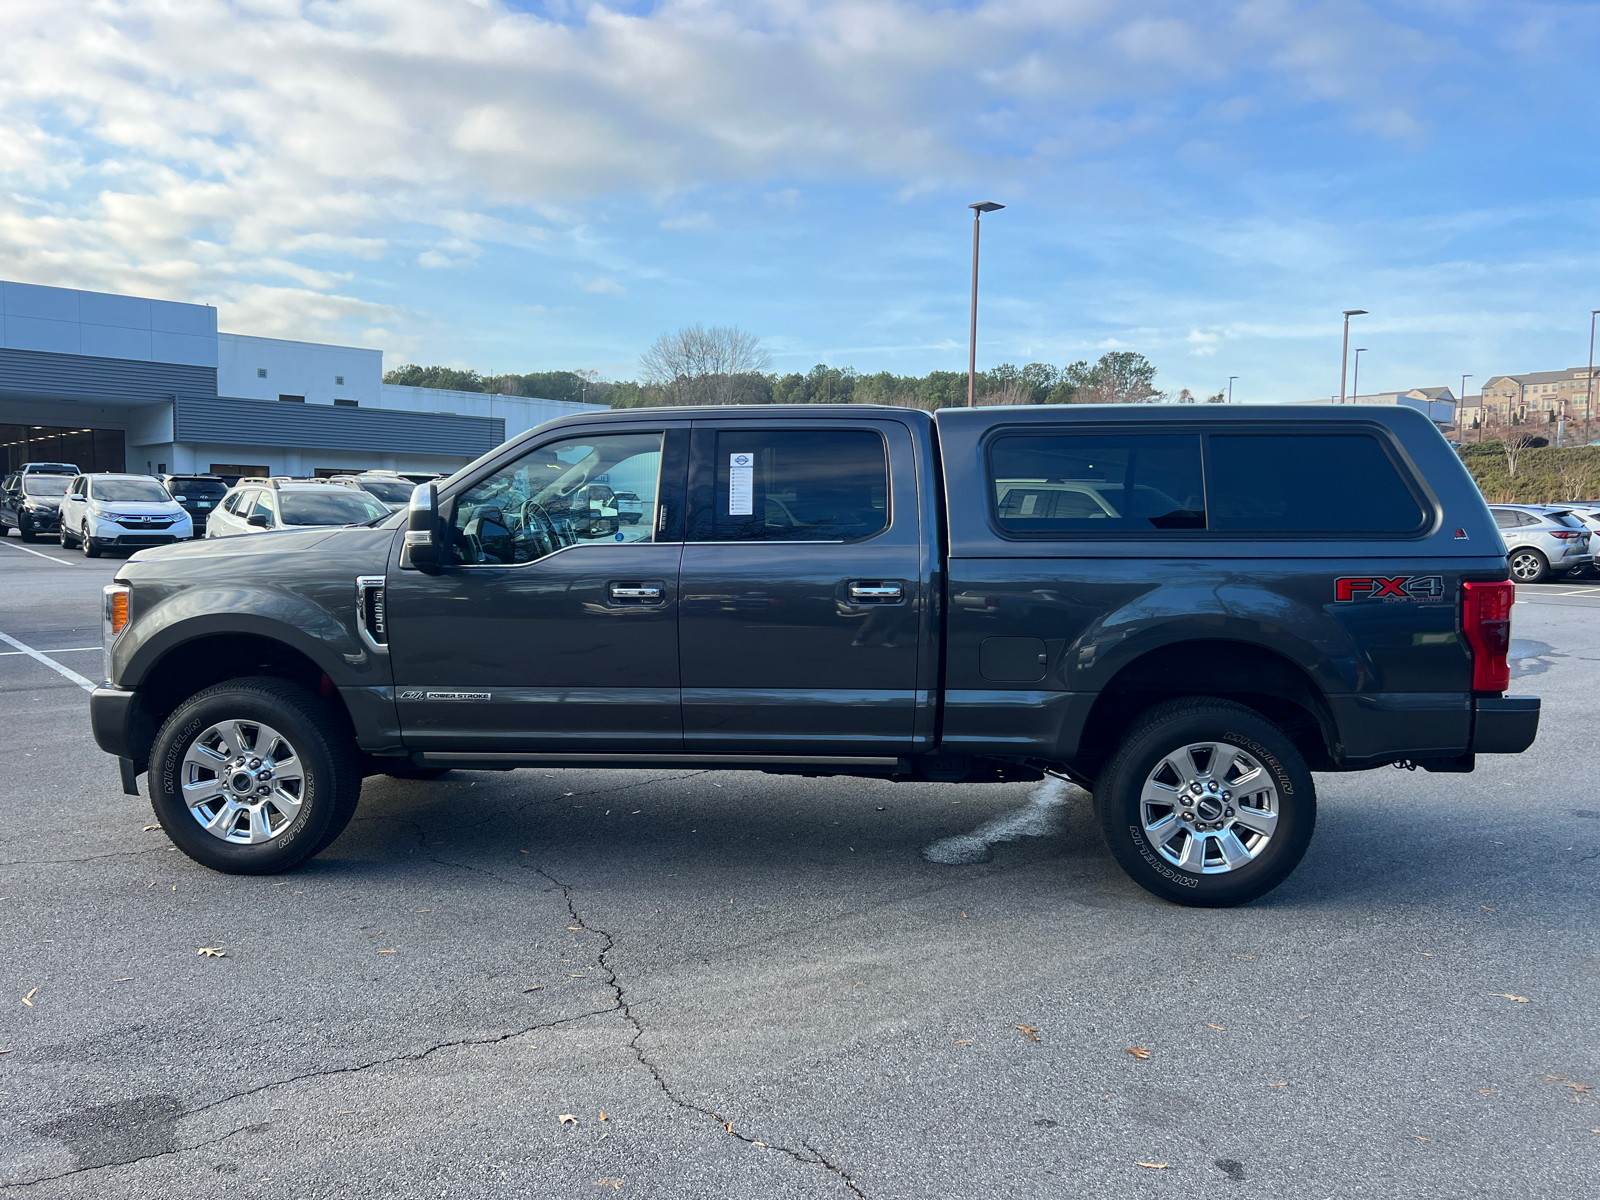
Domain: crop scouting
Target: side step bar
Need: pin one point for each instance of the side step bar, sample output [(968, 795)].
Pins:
[(510, 760)]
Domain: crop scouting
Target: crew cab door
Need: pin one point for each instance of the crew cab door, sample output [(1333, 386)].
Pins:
[(801, 588), (555, 625)]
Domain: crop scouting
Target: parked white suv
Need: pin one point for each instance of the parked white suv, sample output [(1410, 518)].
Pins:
[(115, 512), (257, 505)]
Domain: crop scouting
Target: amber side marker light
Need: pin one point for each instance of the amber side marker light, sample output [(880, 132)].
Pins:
[(119, 611)]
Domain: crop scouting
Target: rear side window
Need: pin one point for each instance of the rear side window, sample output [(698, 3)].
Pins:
[(800, 485), (1308, 483), (1505, 519), (1064, 483)]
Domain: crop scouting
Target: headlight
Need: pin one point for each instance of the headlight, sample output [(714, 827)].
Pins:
[(114, 620)]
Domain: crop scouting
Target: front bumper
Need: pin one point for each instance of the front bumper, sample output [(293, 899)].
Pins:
[(41, 520), (116, 534), (1504, 724)]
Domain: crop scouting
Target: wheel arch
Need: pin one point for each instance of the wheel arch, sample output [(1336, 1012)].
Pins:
[(1262, 679)]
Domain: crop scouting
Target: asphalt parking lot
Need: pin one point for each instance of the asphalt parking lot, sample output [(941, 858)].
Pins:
[(694, 984)]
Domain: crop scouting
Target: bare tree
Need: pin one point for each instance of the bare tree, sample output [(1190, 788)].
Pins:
[(697, 365), (1514, 441), (1575, 473), (1015, 391)]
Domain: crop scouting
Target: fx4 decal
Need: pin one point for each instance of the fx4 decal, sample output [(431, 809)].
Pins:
[(1400, 587)]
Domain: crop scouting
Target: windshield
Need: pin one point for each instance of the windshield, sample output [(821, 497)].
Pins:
[(200, 489), (45, 485), (391, 491), (335, 506), (130, 491)]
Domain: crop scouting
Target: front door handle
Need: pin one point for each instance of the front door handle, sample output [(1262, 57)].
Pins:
[(876, 593), (635, 592)]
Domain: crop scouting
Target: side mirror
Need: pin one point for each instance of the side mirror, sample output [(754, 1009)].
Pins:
[(424, 546), (260, 520)]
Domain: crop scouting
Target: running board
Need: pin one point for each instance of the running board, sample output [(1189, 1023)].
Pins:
[(510, 760)]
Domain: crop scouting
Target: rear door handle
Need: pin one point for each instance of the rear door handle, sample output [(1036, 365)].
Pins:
[(876, 593)]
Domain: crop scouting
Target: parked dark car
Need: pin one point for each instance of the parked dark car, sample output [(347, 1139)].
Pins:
[(30, 500), (1186, 612), (199, 495)]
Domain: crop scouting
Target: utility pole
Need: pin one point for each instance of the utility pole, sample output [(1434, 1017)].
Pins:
[(1231, 378), (1355, 380), (1463, 399), (1588, 391), (1344, 362), (972, 339)]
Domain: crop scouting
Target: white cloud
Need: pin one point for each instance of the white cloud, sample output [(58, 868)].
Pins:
[(607, 287), (211, 149), (698, 220)]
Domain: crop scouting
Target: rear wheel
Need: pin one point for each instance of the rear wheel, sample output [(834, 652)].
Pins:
[(254, 776), (1529, 566), (1206, 803)]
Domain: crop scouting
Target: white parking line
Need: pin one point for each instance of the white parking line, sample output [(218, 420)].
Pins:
[(51, 663), (65, 562), (64, 650)]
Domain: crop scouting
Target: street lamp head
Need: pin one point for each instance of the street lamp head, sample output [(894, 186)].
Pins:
[(987, 206), (1361, 349), (1355, 312)]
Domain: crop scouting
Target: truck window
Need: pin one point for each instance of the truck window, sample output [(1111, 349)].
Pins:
[(819, 485), (1051, 484), (1323, 483), (600, 488)]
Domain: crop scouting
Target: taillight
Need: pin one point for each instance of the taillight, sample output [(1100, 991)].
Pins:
[(1486, 620), (1564, 534)]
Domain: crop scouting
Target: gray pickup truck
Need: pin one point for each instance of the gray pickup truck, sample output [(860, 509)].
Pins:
[(1187, 612)]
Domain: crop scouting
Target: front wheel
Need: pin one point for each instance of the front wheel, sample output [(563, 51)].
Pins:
[(1529, 566), (254, 776), (25, 531), (1206, 803), (91, 546)]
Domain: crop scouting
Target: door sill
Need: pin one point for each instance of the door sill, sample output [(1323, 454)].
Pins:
[(507, 760)]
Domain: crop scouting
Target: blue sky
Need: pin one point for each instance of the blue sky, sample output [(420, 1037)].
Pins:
[(552, 185)]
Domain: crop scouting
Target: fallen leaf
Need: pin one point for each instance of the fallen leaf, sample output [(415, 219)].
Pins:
[(1486, 1091), (212, 952), (566, 1119), (538, 987), (1152, 1166), (1138, 1051), (1424, 953), (729, 1126), (1031, 1033), (389, 951), (1285, 1083), (1244, 955), (422, 910), (148, 828), (1485, 908), (575, 976), (378, 934), (580, 926), (965, 1041), (603, 1116), (5, 1051), (614, 1184), (1509, 996), (1218, 1028), (28, 999), (1419, 1137), (763, 1145)]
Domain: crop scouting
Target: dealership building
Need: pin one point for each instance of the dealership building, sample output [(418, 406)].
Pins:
[(124, 383)]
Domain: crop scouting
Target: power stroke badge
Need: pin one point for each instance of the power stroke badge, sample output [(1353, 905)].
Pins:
[(412, 694), (1391, 590)]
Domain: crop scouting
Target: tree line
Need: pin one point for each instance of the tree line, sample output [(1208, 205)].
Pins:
[(726, 365)]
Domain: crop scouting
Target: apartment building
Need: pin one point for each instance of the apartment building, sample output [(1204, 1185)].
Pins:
[(1564, 393)]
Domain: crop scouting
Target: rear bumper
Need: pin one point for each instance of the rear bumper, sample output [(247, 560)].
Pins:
[(1504, 724)]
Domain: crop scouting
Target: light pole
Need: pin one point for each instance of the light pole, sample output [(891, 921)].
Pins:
[(1344, 362), (1231, 378), (972, 339), (1464, 379), (1588, 391), (1355, 379)]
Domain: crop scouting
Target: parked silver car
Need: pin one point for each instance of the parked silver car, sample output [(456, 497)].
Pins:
[(1589, 514), (1541, 541), (254, 505), (392, 489)]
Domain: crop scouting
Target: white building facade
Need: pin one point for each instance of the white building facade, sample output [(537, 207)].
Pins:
[(128, 383)]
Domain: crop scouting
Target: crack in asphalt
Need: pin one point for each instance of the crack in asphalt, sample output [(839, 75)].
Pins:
[(330, 1071), (624, 1006), (53, 862), (256, 1128)]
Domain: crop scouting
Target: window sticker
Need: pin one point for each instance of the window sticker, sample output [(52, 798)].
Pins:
[(741, 485)]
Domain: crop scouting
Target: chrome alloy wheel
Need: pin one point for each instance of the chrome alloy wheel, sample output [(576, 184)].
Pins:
[(1209, 808), (243, 782)]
